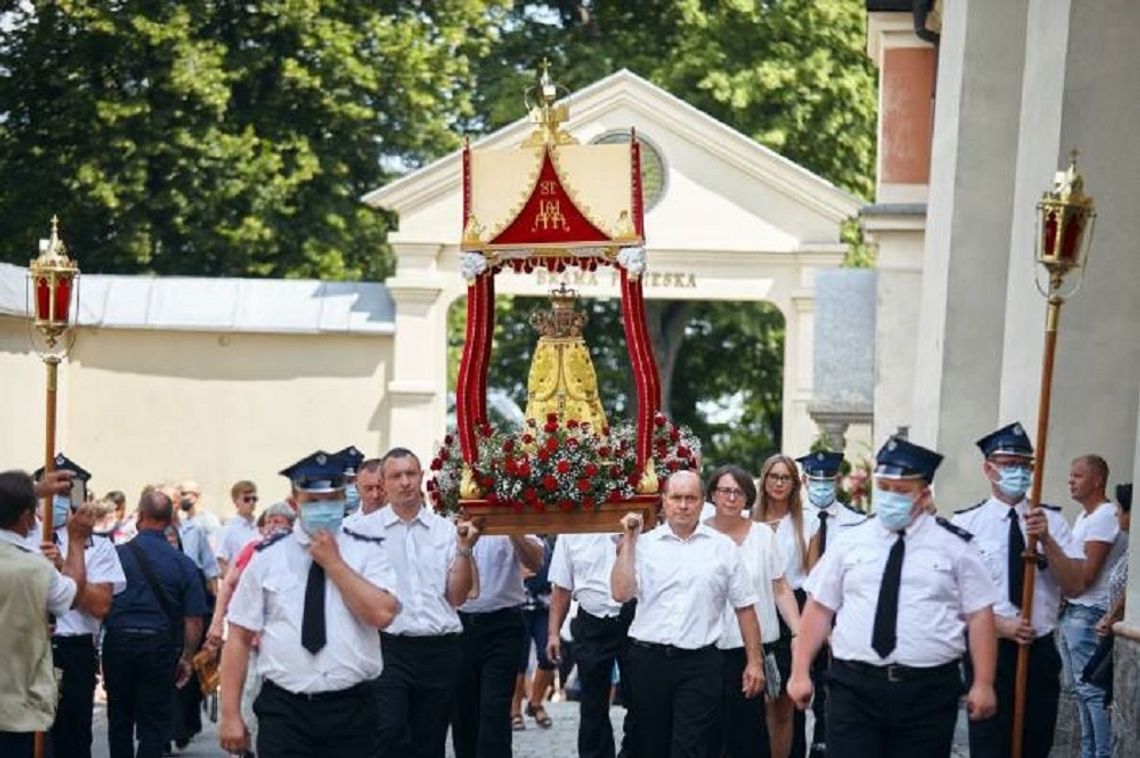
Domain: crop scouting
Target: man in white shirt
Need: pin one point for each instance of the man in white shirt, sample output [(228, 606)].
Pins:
[(31, 588), (580, 569), (905, 590), (1001, 525), (240, 529), (317, 597), (492, 641), (422, 648), (682, 574), (370, 487), (75, 632), (1096, 528)]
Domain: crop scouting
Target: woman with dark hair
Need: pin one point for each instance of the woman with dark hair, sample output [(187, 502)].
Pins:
[(744, 731), (780, 506)]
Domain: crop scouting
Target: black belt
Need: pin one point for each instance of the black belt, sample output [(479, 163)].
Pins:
[(74, 640), (137, 631), (895, 672), (490, 617), (355, 691), (423, 640), (671, 651)]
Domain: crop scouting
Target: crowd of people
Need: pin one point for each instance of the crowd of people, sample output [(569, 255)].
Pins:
[(350, 619)]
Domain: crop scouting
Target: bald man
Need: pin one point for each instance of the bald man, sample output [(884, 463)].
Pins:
[(682, 574)]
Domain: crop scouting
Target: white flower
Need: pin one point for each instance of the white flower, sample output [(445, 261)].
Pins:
[(633, 260), (471, 265)]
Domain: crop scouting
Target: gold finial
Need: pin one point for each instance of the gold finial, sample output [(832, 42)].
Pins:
[(540, 102)]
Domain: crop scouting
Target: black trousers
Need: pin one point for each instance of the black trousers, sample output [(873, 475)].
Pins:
[(17, 744), (340, 723), (75, 657), (187, 710), (676, 694), (599, 643), (991, 738), (799, 719), (869, 715), (137, 673), (481, 718), (416, 692), (743, 729)]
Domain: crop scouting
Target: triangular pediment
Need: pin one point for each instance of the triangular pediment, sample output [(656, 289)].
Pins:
[(720, 190)]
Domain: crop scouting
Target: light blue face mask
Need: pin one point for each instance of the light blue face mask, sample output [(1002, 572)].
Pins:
[(1014, 481), (821, 493), (60, 510), (351, 498), (892, 508), (321, 515)]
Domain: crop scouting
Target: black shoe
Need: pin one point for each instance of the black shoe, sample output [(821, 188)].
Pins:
[(182, 742), (818, 750)]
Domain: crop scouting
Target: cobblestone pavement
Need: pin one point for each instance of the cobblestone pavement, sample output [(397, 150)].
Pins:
[(559, 741)]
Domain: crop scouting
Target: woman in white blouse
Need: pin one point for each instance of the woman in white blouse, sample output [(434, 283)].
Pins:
[(744, 732), (780, 507)]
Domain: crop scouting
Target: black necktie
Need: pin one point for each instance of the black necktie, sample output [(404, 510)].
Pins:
[(883, 637), (823, 531), (1014, 564), (313, 621)]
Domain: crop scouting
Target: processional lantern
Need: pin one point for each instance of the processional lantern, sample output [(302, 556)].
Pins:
[(1064, 228), (553, 203)]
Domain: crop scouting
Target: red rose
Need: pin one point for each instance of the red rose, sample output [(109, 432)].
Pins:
[(583, 485), (552, 418), (543, 454), (448, 439), (674, 434), (530, 494), (604, 451), (436, 464), (672, 466), (572, 423), (551, 444), (563, 466), (538, 507), (572, 442), (435, 497), (590, 470), (523, 469), (528, 438), (550, 483), (683, 452), (517, 505), (615, 471), (565, 505), (588, 502), (551, 427), (658, 420), (444, 454), (508, 446), (486, 482), (633, 479)]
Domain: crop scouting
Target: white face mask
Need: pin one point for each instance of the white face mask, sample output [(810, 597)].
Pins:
[(893, 508)]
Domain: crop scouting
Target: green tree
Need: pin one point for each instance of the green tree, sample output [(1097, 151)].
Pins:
[(213, 138)]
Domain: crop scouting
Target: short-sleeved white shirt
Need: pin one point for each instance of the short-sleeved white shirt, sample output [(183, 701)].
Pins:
[(500, 575), (943, 582), (582, 564), (101, 563), (683, 585), (765, 564), (236, 534), (794, 570), (1098, 526), (989, 523), (270, 599)]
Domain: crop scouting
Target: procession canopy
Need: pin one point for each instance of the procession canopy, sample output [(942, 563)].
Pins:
[(552, 202), (550, 196)]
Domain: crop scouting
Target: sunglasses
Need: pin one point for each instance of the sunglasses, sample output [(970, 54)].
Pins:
[(249, 498)]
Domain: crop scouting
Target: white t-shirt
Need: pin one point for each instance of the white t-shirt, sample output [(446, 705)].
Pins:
[(764, 562), (1098, 526), (794, 570)]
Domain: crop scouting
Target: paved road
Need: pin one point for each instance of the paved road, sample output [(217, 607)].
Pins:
[(557, 742)]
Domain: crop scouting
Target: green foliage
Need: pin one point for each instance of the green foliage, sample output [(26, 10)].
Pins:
[(792, 74), (213, 138)]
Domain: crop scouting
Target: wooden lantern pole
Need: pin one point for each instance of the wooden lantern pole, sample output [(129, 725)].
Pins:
[(1029, 557)]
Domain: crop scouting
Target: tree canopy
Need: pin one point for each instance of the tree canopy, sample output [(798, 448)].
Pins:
[(213, 138)]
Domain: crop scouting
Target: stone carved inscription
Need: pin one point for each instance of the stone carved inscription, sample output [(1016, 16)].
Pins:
[(651, 279)]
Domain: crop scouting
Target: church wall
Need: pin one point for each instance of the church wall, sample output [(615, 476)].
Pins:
[(138, 406)]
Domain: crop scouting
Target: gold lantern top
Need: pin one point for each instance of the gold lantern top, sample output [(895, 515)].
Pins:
[(1065, 218), (51, 277)]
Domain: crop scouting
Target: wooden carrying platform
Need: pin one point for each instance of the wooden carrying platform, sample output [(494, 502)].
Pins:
[(504, 519)]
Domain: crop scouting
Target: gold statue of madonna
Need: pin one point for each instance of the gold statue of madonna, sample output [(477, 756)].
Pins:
[(562, 378)]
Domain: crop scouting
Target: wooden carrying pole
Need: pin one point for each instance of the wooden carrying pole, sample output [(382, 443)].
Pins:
[(52, 363), (1029, 557)]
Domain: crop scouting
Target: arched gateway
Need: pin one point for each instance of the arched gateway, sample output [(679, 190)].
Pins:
[(726, 219)]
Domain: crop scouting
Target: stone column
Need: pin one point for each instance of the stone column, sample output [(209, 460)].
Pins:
[(958, 356), (417, 391)]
